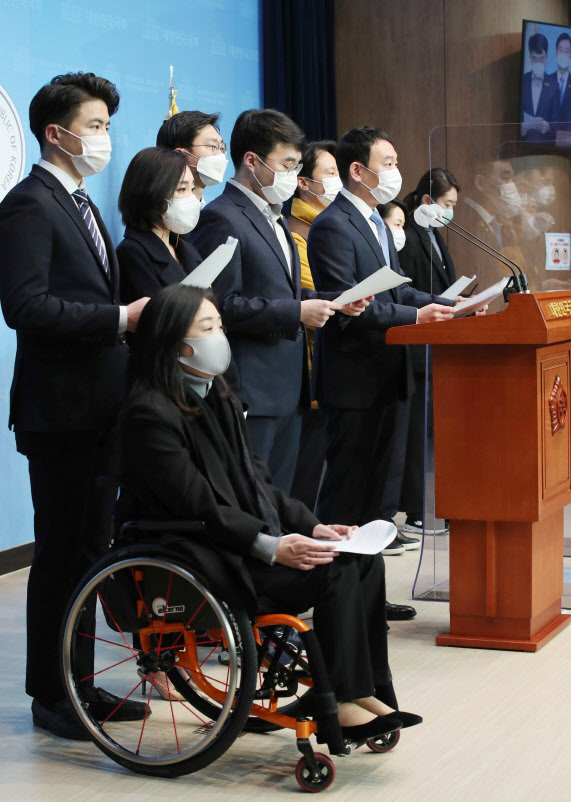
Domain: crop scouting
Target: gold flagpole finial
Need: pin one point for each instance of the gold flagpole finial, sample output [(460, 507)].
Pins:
[(172, 95)]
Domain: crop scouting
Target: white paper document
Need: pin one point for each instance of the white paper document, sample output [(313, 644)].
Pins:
[(530, 121), (213, 265), (478, 301), (370, 538), (380, 281), (457, 288)]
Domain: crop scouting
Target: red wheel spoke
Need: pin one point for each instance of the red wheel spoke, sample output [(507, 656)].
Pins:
[(172, 715), (126, 660), (189, 622), (150, 620), (208, 655), (155, 681), (115, 622), (165, 612), (112, 642), (138, 685), (145, 716)]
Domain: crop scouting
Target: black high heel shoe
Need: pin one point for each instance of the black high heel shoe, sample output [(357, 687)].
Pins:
[(381, 725), (407, 719)]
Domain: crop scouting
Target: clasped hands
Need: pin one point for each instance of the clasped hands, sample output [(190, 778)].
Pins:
[(304, 553)]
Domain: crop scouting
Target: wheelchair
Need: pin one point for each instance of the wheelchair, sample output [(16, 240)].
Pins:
[(221, 672)]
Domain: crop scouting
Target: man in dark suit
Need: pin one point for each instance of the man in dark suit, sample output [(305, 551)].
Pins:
[(562, 83), (59, 289), (539, 95), (362, 385), (263, 306)]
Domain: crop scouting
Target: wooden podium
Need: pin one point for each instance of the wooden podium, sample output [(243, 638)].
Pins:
[(502, 466)]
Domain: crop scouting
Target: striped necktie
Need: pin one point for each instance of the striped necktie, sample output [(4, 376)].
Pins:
[(85, 210)]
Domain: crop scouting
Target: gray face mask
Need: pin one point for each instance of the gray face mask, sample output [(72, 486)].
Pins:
[(211, 354)]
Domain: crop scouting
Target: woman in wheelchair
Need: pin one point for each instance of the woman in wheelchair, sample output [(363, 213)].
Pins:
[(186, 455)]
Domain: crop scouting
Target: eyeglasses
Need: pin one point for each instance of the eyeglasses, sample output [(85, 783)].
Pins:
[(215, 147), (291, 168)]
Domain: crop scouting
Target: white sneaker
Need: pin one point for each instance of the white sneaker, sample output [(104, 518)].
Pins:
[(416, 527)]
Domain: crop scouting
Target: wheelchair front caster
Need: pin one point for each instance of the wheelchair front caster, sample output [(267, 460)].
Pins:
[(315, 773), (384, 743)]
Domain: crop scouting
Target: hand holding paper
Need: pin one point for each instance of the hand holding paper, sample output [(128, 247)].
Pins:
[(457, 288), (380, 281), (368, 539), (478, 301)]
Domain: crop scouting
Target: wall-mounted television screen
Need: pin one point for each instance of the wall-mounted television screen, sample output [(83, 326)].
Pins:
[(545, 106)]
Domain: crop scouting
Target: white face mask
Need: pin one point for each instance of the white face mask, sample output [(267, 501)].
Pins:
[(509, 203), (389, 186), (211, 354), (563, 61), (545, 195), (283, 187), (210, 169), (182, 214), (538, 69), (399, 238), (331, 185), (95, 155)]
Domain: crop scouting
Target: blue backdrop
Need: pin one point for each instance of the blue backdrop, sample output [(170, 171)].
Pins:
[(214, 48)]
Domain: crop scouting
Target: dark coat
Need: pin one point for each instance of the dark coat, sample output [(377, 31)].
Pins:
[(147, 264), (260, 304), (70, 361), (173, 469), (547, 106), (563, 107), (353, 367)]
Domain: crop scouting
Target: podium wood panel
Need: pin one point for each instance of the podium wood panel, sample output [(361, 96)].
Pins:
[(502, 454)]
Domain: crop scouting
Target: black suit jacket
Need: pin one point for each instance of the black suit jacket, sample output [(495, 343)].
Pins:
[(70, 362), (260, 304), (420, 262), (563, 107), (147, 265), (353, 367), (547, 107), (172, 469)]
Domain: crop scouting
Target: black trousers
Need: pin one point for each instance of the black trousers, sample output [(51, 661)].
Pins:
[(276, 441), (412, 492), (310, 460), (72, 526), (349, 618), (365, 457)]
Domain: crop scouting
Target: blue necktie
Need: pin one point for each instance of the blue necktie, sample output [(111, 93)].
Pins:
[(435, 243), (561, 90), (85, 210), (378, 221)]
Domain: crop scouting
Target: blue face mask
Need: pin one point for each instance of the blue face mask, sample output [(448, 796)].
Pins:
[(447, 214)]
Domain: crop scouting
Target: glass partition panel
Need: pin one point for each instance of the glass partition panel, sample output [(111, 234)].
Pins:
[(514, 197)]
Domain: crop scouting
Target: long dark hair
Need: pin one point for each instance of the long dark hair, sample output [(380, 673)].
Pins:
[(436, 183), (162, 326), (151, 177)]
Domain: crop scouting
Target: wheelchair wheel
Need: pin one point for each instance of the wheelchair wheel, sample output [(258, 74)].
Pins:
[(149, 609), (384, 743), (316, 778)]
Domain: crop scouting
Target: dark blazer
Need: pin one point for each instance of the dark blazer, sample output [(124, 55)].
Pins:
[(173, 470), (260, 304), (70, 362), (547, 107), (563, 107), (147, 264), (353, 366), (420, 262)]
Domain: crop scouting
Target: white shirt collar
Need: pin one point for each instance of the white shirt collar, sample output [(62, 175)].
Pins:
[(364, 208), (484, 213), (261, 203), (561, 75), (69, 183)]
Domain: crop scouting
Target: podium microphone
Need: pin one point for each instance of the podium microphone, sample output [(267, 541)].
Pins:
[(432, 215)]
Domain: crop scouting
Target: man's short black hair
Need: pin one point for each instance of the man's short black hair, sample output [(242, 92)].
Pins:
[(561, 38), (355, 146), (59, 101), (151, 178), (538, 43), (311, 154), (260, 130), (180, 130)]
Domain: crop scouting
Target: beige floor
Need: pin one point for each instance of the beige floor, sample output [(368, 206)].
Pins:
[(497, 728)]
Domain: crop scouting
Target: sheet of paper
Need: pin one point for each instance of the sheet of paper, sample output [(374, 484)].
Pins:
[(458, 287), (477, 301), (209, 270), (384, 279), (370, 538), (531, 121)]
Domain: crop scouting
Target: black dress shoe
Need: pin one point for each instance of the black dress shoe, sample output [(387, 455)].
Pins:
[(104, 705), (408, 719), (59, 718), (378, 726), (400, 612)]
